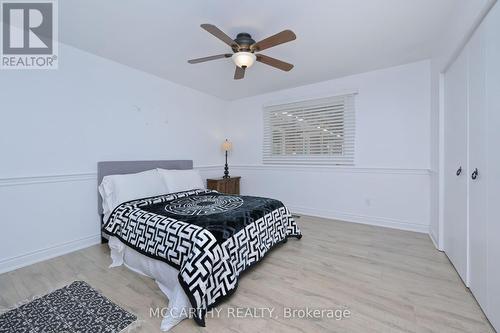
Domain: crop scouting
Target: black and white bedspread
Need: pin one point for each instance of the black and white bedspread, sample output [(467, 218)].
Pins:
[(208, 236)]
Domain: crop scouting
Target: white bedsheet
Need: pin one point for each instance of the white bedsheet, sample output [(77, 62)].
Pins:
[(164, 275)]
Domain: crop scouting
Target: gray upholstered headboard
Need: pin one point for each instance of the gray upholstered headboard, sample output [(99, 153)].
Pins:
[(123, 167)]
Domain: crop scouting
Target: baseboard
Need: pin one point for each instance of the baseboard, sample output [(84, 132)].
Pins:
[(27, 259), (434, 241), (362, 219)]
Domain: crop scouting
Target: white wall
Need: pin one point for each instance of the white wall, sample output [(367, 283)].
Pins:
[(390, 182), (56, 125)]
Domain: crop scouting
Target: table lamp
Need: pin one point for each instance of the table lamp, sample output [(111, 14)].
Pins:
[(226, 146)]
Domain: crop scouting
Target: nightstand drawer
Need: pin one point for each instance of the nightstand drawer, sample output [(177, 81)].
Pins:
[(225, 185)]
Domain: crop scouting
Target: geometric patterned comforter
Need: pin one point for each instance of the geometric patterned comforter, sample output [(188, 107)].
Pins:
[(208, 236)]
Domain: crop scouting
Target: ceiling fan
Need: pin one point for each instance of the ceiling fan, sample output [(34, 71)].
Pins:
[(244, 50)]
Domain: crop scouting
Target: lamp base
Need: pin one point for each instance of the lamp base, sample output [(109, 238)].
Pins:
[(226, 169)]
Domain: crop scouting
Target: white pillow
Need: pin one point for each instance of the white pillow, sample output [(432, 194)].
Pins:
[(181, 180), (117, 189)]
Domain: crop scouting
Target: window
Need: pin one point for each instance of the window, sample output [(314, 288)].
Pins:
[(317, 131)]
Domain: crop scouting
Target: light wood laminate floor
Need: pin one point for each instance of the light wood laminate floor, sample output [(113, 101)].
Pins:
[(390, 281)]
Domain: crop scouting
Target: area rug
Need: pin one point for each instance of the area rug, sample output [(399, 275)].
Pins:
[(76, 308)]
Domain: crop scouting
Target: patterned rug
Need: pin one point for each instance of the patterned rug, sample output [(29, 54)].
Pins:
[(76, 308)]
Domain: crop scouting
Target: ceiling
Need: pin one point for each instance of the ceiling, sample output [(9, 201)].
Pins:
[(335, 38)]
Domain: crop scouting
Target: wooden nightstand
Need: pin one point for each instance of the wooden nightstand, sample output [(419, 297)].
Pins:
[(225, 185)]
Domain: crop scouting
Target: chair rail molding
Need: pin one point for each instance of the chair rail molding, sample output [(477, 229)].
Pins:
[(74, 177), (328, 168), (42, 179), (89, 176)]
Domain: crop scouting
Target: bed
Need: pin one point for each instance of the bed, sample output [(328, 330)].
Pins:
[(196, 242)]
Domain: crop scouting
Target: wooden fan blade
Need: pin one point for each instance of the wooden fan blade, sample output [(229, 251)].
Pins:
[(219, 34), (284, 66), (219, 56), (280, 38), (239, 73)]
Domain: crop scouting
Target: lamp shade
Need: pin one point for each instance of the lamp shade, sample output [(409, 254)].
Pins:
[(243, 59), (226, 145)]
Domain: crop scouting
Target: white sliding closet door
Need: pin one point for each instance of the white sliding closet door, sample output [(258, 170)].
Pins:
[(455, 165), (472, 139), (492, 40), (478, 146)]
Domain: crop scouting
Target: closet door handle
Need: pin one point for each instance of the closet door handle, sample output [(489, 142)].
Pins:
[(459, 171), (475, 173)]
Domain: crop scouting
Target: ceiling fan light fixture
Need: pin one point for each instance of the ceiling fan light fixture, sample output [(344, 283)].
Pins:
[(243, 48), (244, 59)]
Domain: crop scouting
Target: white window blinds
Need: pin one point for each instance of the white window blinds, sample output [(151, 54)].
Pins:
[(317, 131)]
